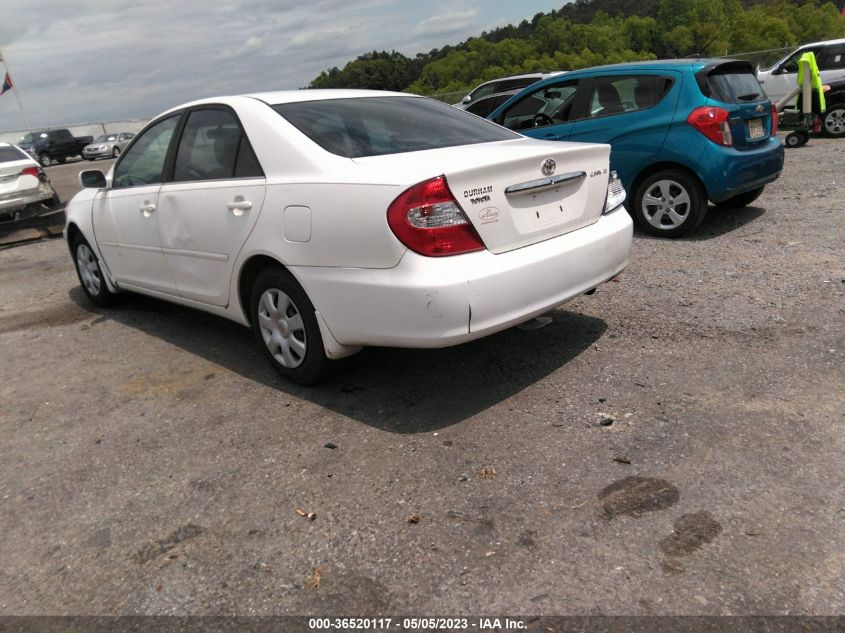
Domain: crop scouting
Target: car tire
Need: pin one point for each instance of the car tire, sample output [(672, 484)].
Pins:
[(286, 327), (115, 152), (741, 199), (669, 203), (90, 273), (44, 159), (833, 121)]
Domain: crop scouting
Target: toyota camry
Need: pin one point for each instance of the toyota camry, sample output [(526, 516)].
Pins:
[(331, 220)]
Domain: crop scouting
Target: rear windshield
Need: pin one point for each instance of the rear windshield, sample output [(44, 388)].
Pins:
[(9, 154), (374, 126), (732, 83)]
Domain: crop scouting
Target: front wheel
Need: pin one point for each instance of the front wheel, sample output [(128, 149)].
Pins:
[(90, 274), (669, 203), (44, 159), (285, 325), (833, 121), (115, 152), (740, 200)]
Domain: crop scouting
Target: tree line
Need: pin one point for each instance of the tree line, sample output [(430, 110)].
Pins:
[(593, 32)]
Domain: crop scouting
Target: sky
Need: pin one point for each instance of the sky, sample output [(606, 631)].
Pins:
[(100, 60)]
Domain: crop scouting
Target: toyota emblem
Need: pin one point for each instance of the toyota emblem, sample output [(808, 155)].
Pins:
[(548, 167)]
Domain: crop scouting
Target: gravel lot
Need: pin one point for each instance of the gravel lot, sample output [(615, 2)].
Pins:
[(671, 445)]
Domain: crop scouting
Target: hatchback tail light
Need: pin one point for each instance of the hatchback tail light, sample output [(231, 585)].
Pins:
[(713, 123), (427, 219), (774, 119)]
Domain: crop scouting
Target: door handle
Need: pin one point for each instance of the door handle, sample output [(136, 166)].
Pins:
[(147, 208), (239, 206)]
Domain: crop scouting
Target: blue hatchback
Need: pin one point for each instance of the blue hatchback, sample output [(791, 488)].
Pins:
[(681, 132)]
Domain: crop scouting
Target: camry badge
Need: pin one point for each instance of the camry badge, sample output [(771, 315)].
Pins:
[(548, 167)]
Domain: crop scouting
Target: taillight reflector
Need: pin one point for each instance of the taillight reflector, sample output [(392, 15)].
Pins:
[(30, 171), (427, 219), (713, 123)]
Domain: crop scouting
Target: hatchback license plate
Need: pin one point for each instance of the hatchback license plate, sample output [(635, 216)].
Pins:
[(755, 128)]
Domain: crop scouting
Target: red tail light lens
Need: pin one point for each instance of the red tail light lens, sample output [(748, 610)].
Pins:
[(713, 123), (774, 119), (427, 219), (31, 171)]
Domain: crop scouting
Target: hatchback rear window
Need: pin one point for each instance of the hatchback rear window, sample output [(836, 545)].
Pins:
[(9, 154), (732, 83), (374, 126)]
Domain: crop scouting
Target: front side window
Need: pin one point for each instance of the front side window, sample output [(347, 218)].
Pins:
[(374, 126), (791, 63), (213, 147), (550, 105), (143, 163)]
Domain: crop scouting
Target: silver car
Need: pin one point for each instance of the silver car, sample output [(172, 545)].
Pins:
[(107, 146), (25, 189)]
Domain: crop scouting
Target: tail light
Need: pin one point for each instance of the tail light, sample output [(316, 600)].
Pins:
[(427, 219), (774, 119), (31, 171), (713, 123)]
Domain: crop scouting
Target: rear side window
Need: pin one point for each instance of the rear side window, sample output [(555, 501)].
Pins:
[(212, 147), (614, 95), (834, 57), (374, 126), (732, 83), (9, 154)]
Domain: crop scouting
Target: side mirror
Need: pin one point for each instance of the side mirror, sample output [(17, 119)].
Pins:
[(92, 179), (466, 99)]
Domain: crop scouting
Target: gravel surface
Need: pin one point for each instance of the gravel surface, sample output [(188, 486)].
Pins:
[(671, 445)]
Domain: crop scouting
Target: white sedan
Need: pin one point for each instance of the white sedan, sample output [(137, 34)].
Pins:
[(24, 187), (329, 220)]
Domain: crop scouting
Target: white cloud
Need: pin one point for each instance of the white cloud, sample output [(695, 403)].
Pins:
[(448, 22)]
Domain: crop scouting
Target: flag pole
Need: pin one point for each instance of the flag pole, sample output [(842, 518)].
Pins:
[(15, 88)]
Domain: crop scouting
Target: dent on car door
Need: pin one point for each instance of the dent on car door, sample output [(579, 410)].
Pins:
[(546, 113), (210, 204), (632, 113), (124, 216)]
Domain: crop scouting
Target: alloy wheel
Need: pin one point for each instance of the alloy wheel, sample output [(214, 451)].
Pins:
[(666, 204), (834, 122)]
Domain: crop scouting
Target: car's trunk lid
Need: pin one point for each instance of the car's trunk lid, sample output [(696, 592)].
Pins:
[(514, 193)]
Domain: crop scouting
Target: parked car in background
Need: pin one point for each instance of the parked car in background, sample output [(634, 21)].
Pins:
[(329, 220), (107, 146), (780, 79), (485, 105), (833, 117), (504, 84), (682, 132), (24, 187), (57, 145)]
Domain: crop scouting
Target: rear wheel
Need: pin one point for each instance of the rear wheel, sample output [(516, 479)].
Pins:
[(285, 325), (833, 121), (669, 203), (90, 274), (741, 199)]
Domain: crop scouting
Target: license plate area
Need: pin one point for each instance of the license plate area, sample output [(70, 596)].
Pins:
[(756, 129)]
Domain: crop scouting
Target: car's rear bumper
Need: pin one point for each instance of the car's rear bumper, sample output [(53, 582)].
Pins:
[(18, 200), (727, 171), (437, 302)]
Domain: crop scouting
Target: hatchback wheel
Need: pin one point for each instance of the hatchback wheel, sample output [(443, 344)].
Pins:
[(90, 275), (833, 122), (284, 323), (669, 203)]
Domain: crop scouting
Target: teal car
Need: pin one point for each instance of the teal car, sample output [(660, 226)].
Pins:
[(682, 132)]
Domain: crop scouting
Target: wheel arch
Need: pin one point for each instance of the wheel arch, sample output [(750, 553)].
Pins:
[(247, 275), (656, 167), (71, 232)]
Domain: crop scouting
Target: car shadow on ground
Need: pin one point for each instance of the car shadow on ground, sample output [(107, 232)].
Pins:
[(718, 222), (397, 390)]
